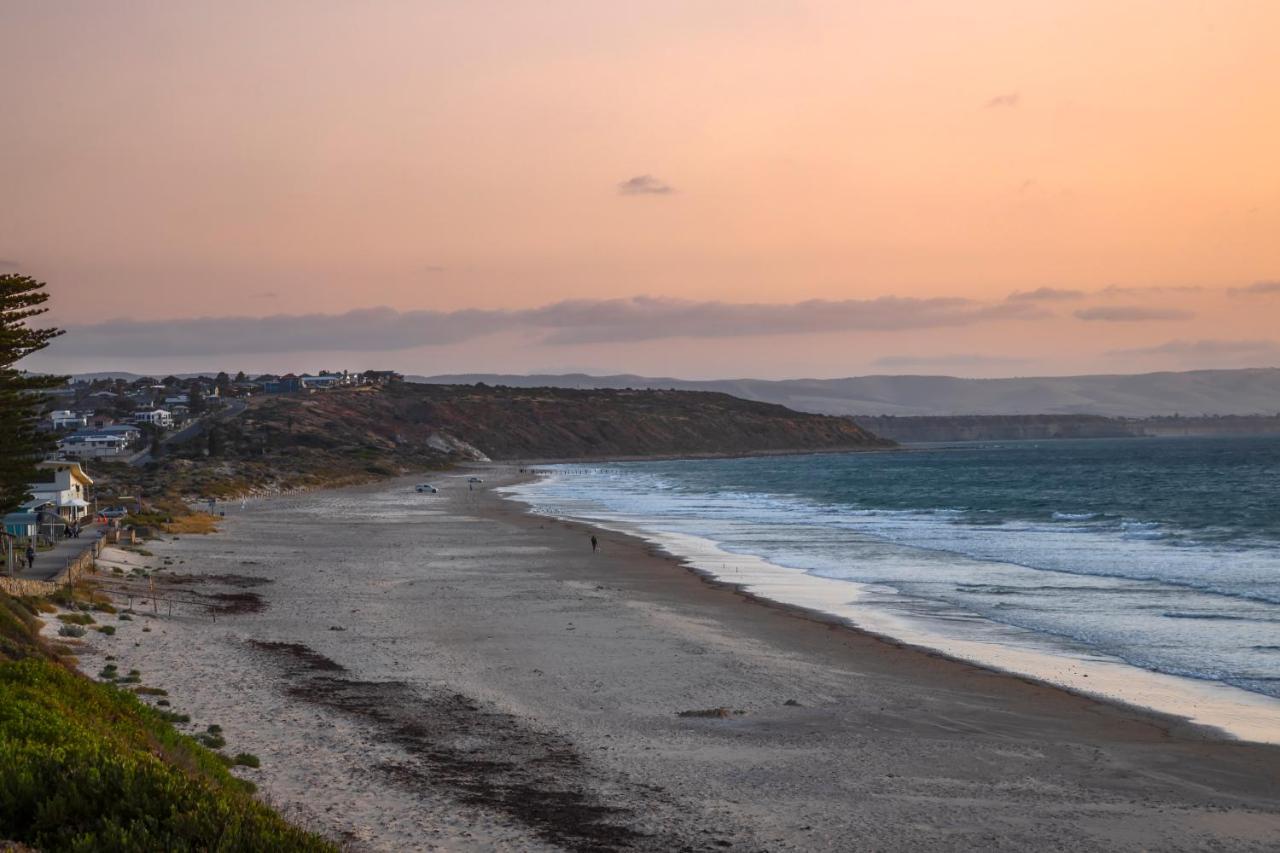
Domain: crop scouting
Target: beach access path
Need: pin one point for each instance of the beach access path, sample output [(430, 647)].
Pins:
[(53, 561), (421, 672)]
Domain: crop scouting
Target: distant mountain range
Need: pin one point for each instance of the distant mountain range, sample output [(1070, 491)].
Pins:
[(1198, 392)]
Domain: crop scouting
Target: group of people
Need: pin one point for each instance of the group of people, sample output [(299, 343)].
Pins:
[(72, 530)]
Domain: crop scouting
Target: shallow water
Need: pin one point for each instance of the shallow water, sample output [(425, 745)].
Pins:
[(1163, 554)]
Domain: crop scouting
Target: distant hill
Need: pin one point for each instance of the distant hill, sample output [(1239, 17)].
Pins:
[(351, 435), (1198, 392), (515, 423), (132, 377)]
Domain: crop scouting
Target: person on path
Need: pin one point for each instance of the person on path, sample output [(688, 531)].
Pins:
[(31, 557), (594, 543)]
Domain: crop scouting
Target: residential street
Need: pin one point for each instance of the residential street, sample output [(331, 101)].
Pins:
[(233, 408)]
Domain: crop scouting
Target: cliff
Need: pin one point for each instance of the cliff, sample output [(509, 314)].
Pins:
[(522, 423), (353, 435)]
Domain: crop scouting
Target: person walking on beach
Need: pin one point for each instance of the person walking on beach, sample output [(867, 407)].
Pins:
[(595, 543)]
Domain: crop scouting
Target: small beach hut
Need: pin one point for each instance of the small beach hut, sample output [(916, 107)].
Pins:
[(23, 525)]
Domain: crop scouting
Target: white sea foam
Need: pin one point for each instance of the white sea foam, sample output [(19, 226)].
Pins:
[(1063, 602)]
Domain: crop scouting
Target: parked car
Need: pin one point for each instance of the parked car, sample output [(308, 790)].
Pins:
[(425, 488), (474, 480), (114, 512)]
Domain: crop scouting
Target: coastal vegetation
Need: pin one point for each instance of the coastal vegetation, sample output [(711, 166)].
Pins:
[(21, 299), (87, 766)]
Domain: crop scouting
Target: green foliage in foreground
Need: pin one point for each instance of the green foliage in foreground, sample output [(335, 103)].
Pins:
[(87, 766)]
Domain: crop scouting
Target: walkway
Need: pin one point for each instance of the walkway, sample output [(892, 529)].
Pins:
[(49, 563)]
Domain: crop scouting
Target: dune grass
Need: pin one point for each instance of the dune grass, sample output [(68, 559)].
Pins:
[(87, 766)]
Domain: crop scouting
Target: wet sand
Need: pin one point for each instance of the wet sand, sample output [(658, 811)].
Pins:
[(447, 672)]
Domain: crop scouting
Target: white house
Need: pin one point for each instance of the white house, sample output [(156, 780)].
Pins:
[(65, 486), (65, 418), (91, 444), (327, 381), (156, 417)]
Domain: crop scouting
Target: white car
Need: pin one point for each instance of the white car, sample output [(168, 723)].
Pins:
[(425, 488), (474, 480)]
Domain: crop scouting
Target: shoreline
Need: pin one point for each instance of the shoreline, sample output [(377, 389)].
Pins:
[(1214, 709), (453, 672)]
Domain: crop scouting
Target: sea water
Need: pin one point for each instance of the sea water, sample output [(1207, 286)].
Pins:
[(1160, 555)]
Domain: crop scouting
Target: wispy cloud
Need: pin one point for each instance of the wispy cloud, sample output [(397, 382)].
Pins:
[(1125, 290), (1011, 99), (638, 318), (1256, 289), (646, 318), (1131, 314), (6, 264), (1045, 294), (645, 185)]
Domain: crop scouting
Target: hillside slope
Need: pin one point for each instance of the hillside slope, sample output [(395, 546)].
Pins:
[(1198, 392), (511, 423), (348, 436), (88, 766)]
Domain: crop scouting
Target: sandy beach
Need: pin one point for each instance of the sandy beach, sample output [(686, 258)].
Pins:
[(449, 672)]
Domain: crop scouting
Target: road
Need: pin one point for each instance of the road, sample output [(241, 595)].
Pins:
[(196, 428)]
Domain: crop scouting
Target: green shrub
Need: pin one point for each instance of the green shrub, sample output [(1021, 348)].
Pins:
[(71, 631), (106, 629), (211, 741), (76, 618), (89, 767), (246, 759)]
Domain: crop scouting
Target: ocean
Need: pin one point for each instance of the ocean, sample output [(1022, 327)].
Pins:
[(1152, 555)]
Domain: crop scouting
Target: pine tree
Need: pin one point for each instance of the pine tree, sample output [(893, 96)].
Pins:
[(21, 444)]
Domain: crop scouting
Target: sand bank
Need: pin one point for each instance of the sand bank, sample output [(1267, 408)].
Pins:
[(447, 672)]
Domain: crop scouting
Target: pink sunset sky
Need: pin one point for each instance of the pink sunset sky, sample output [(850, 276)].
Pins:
[(695, 189)]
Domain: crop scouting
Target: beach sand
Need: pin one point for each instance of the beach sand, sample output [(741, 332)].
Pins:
[(448, 672)]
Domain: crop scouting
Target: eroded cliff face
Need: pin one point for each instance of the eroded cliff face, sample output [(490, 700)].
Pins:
[(511, 423), (353, 435)]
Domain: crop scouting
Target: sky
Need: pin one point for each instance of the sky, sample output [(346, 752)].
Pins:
[(684, 188)]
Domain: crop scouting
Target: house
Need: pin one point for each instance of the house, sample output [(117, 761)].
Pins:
[(62, 486), (320, 382), (381, 377), (177, 400), (67, 419), (156, 417), (94, 444), (284, 385), (130, 432)]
